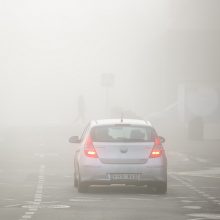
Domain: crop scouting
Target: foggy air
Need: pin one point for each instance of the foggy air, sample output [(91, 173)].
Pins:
[(112, 107)]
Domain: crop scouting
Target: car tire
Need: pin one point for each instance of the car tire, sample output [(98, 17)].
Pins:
[(82, 186), (75, 181), (161, 187), (76, 175)]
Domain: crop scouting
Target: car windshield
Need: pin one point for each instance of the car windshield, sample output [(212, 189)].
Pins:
[(123, 133)]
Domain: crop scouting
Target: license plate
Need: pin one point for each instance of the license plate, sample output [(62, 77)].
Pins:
[(124, 176)]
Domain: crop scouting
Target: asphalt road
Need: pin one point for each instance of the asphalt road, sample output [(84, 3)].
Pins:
[(36, 182)]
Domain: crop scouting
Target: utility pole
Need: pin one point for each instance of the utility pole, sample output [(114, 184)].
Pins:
[(107, 81)]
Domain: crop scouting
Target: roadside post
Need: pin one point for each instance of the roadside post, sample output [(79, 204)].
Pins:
[(107, 81)]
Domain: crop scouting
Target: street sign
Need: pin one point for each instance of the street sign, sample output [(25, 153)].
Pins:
[(107, 80)]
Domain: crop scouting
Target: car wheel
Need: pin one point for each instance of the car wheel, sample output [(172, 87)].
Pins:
[(82, 186), (161, 188), (75, 181), (76, 171)]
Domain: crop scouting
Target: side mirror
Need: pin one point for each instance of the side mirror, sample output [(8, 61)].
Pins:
[(74, 139), (162, 139)]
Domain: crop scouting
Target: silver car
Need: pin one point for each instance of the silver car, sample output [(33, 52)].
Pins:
[(120, 151)]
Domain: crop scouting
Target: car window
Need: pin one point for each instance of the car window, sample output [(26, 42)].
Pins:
[(123, 133)]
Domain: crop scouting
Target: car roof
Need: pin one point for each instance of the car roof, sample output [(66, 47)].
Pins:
[(120, 121)]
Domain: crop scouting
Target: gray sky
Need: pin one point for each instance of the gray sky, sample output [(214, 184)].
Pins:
[(53, 51)]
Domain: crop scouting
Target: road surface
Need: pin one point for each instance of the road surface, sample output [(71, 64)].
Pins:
[(36, 182)]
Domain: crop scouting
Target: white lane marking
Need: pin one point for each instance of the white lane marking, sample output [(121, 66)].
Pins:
[(52, 154), (201, 160), (97, 198), (168, 198), (205, 216), (137, 199), (175, 185), (58, 206), (29, 207), (196, 219), (26, 216), (186, 179), (29, 213), (179, 156), (33, 209), (51, 187), (49, 202), (46, 206), (192, 207), (185, 158), (208, 187), (10, 206), (191, 187), (211, 197), (213, 172), (195, 201), (36, 203), (206, 195), (186, 201), (84, 197), (9, 199), (94, 199), (38, 195), (68, 176), (84, 200)]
